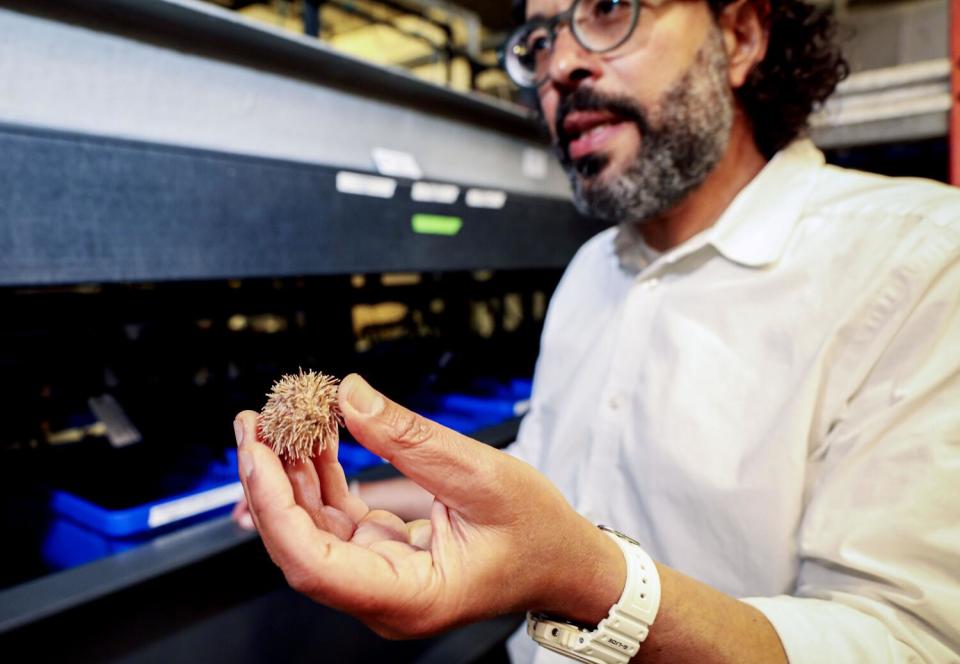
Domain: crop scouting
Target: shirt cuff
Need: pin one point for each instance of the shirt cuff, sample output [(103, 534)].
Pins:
[(814, 631)]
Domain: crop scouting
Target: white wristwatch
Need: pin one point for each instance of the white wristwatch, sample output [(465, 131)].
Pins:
[(618, 636)]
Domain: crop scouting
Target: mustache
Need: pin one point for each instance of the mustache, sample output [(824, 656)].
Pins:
[(587, 99)]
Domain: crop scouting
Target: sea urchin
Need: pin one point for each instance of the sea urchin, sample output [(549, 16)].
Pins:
[(301, 416)]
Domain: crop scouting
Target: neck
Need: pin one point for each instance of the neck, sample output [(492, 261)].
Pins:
[(700, 210)]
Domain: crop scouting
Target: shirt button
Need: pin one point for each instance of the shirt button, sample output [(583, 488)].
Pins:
[(615, 403), (650, 284)]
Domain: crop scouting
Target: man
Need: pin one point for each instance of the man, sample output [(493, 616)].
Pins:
[(755, 375)]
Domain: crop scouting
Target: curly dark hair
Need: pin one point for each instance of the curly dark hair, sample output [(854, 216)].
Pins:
[(801, 69)]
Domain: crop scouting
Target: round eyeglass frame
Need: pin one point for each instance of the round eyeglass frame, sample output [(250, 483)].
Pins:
[(510, 63)]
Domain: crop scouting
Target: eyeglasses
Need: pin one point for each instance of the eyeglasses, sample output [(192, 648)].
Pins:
[(598, 26)]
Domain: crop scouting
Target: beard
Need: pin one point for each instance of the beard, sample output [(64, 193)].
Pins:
[(682, 139)]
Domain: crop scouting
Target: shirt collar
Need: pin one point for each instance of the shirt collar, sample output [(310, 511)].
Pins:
[(755, 227)]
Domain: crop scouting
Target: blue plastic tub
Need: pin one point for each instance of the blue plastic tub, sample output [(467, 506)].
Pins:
[(84, 530), (215, 488)]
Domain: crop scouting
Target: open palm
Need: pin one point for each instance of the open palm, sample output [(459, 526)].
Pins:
[(472, 558)]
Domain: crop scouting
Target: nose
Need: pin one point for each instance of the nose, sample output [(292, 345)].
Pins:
[(571, 63)]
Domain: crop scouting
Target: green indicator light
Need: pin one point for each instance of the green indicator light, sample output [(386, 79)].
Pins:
[(436, 224)]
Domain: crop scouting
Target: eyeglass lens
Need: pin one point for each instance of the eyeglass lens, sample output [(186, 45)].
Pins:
[(599, 25)]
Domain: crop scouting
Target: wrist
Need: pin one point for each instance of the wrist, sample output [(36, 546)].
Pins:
[(589, 579), (616, 638)]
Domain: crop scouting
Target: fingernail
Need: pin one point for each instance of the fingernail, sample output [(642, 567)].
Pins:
[(362, 397), (245, 459), (238, 431), (246, 522)]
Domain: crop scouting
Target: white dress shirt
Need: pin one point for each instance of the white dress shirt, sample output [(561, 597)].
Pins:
[(773, 407)]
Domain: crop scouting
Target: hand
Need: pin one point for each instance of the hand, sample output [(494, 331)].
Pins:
[(500, 538)]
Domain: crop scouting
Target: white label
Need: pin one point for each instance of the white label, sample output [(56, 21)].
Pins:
[(182, 508), (486, 198), (365, 185), (397, 164), (431, 192), (534, 163)]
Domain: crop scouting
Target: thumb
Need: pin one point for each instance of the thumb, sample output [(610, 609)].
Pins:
[(456, 469)]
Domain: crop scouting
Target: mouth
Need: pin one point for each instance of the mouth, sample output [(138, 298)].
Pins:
[(589, 132)]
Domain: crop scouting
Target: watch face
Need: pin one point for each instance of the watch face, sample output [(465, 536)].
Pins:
[(620, 535)]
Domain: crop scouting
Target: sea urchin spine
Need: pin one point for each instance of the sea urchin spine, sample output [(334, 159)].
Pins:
[(301, 416)]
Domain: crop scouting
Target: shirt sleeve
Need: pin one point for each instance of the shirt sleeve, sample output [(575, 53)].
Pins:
[(879, 540)]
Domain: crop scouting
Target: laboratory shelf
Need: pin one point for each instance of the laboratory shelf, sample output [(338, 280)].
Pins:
[(54, 593), (91, 209), (907, 102)]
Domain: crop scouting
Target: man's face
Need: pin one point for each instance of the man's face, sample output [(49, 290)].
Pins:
[(639, 128)]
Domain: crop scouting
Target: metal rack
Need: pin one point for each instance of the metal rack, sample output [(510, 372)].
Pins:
[(896, 113), (169, 140), (94, 209), (901, 103), (162, 132), (904, 88), (53, 594), (187, 73), (150, 141)]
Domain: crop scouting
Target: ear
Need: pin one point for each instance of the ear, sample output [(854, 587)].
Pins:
[(746, 32)]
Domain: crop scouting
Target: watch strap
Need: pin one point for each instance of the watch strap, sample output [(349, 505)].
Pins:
[(617, 638), (628, 623)]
